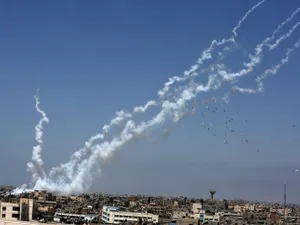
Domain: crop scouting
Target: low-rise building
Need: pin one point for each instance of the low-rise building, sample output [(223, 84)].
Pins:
[(209, 216), (70, 217), (17, 211), (10, 211), (114, 215)]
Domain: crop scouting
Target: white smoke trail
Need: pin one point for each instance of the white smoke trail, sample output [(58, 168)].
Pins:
[(268, 72), (69, 167), (284, 37), (103, 152), (206, 54), (36, 165), (80, 179), (276, 67), (141, 109), (245, 90), (246, 15), (256, 59), (283, 23)]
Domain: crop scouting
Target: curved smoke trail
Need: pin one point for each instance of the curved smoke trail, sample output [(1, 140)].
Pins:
[(206, 54), (75, 177), (102, 152), (257, 58), (268, 72), (36, 165), (68, 167)]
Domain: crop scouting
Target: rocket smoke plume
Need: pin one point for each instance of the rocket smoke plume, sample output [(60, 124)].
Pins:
[(36, 165), (76, 175)]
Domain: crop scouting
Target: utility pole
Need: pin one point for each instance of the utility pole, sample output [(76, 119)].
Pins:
[(284, 202)]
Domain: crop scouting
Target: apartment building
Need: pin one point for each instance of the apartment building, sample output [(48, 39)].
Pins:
[(10, 211), (114, 215), (17, 211)]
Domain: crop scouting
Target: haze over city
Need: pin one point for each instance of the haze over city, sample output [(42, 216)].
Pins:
[(92, 60)]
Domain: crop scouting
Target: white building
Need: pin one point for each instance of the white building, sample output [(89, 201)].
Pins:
[(196, 207), (115, 216), (5, 222), (10, 211), (209, 217), (59, 215), (17, 211), (196, 210)]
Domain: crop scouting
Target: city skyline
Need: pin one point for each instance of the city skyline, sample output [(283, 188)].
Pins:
[(90, 65)]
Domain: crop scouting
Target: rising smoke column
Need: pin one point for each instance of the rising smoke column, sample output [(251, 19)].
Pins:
[(36, 165)]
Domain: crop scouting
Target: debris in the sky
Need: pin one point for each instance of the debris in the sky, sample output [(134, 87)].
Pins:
[(225, 142), (296, 170), (246, 141)]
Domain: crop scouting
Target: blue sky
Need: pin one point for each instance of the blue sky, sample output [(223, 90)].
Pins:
[(92, 59)]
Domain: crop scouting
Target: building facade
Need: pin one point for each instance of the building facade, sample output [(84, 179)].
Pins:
[(17, 211), (114, 215), (10, 211)]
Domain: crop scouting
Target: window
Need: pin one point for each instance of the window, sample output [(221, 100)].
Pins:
[(3, 208), (3, 215), (15, 208), (15, 215)]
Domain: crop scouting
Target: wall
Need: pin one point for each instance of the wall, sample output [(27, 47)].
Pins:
[(4, 222)]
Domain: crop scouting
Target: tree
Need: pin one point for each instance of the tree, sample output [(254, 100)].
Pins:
[(126, 204)]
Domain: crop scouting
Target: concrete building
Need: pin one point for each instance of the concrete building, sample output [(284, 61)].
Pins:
[(26, 209), (10, 211), (5, 222), (209, 216), (17, 211), (114, 215), (196, 208), (59, 217)]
